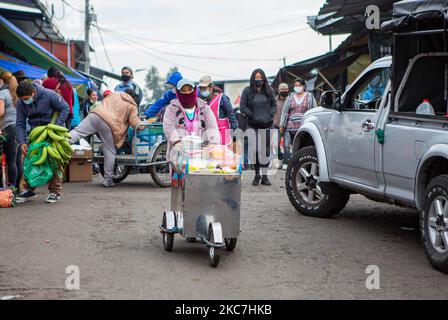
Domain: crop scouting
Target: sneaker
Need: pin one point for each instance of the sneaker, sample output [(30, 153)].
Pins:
[(256, 181), (25, 196), (53, 198), (285, 167), (265, 181), (108, 184)]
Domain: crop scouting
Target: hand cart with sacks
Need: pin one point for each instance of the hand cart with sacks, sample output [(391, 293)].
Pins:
[(205, 205)]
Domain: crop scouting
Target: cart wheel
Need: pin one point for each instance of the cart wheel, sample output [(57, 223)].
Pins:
[(121, 172), (168, 238), (160, 173), (213, 257), (168, 242), (230, 244)]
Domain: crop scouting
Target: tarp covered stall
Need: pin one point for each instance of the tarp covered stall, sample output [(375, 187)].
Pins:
[(8, 63), (420, 56), (30, 51)]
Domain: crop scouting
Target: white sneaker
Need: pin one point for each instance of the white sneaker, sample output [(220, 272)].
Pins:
[(285, 167), (108, 184)]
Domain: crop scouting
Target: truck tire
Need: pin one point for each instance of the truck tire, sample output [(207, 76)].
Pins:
[(304, 191), (434, 223)]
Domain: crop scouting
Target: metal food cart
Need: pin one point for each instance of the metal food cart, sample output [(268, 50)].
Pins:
[(204, 206)]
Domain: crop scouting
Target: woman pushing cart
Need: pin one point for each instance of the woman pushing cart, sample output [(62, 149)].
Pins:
[(200, 166)]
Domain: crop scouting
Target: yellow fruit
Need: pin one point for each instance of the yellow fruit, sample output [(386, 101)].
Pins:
[(54, 136), (42, 159)]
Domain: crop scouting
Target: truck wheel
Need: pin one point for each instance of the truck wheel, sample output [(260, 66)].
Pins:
[(304, 191), (434, 223)]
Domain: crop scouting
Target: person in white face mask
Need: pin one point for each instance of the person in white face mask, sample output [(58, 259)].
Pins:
[(291, 120)]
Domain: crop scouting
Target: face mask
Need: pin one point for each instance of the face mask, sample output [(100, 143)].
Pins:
[(284, 94), (188, 100), (205, 94), (29, 101), (299, 90), (259, 83), (125, 78)]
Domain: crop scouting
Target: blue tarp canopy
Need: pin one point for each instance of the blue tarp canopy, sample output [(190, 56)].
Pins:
[(33, 53), (11, 64)]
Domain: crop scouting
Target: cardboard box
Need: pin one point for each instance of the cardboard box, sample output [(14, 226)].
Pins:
[(80, 170), (82, 154)]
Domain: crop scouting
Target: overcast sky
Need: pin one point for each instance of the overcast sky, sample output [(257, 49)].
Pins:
[(136, 24)]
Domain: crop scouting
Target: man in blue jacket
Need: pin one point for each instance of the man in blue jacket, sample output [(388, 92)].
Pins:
[(167, 97), (37, 105), (127, 76)]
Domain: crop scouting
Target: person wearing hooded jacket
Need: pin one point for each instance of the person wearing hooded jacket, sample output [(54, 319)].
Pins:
[(37, 105), (259, 105), (127, 76), (188, 115), (170, 95)]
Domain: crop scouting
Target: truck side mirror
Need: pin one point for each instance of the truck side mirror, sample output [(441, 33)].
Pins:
[(331, 100)]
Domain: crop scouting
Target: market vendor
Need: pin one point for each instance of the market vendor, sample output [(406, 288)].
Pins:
[(36, 106), (189, 116), (110, 121)]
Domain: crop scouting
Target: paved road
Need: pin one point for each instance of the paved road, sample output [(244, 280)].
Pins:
[(112, 236)]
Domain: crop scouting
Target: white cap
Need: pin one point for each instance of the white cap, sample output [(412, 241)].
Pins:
[(185, 82)]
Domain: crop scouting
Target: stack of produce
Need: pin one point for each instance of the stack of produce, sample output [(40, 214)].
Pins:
[(215, 160), (48, 153), (7, 198)]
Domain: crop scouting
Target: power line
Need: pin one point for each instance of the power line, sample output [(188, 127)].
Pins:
[(208, 43), (201, 57), (166, 60), (72, 7), (242, 30), (104, 47)]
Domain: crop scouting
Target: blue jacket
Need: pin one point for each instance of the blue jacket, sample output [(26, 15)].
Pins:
[(122, 87), (167, 97), (39, 113)]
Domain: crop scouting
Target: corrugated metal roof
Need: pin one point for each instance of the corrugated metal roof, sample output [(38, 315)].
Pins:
[(43, 20), (347, 16)]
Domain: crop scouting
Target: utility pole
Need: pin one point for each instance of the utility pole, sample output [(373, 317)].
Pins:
[(87, 38), (284, 61), (69, 54), (331, 43)]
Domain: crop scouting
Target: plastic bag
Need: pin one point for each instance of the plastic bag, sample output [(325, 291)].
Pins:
[(37, 176)]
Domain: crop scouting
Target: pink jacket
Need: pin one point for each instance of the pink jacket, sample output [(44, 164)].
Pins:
[(174, 125)]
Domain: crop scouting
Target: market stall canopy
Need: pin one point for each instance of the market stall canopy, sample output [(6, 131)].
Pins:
[(329, 65), (346, 16), (30, 50), (412, 15), (11, 64)]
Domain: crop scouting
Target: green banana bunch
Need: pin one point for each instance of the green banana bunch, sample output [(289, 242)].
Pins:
[(42, 159), (57, 148)]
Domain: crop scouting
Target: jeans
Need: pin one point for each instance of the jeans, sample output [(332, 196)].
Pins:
[(10, 150), (288, 141), (262, 148), (19, 163)]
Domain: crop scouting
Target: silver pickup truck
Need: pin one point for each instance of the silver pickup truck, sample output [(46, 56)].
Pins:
[(356, 143)]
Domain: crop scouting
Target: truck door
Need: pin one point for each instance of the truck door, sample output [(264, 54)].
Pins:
[(351, 134)]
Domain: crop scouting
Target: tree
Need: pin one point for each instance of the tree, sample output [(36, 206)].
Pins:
[(154, 84)]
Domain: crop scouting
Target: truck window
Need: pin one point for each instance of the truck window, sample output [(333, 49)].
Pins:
[(367, 94)]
